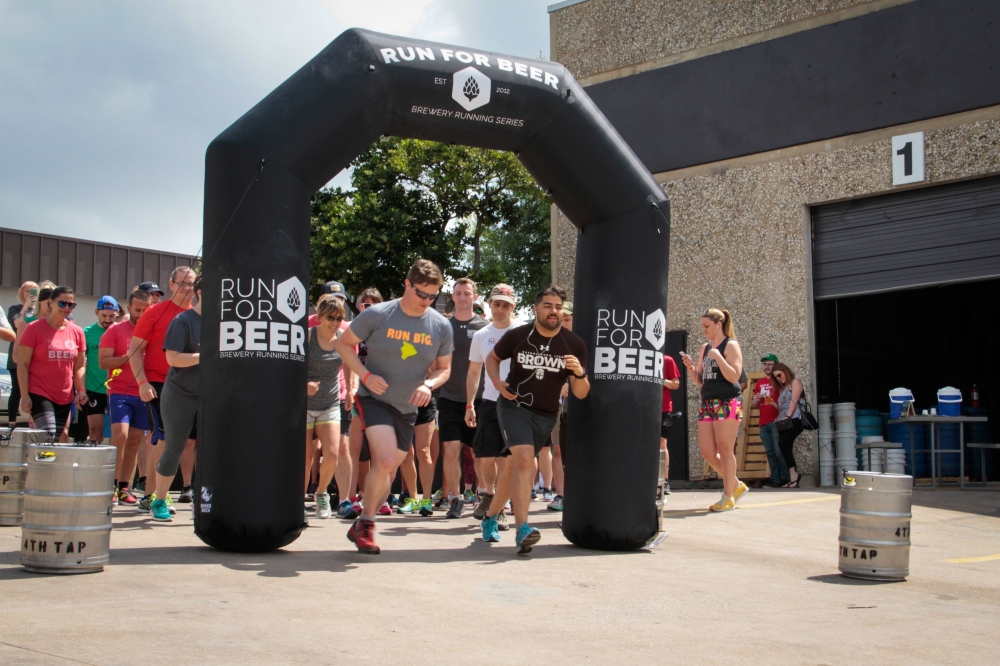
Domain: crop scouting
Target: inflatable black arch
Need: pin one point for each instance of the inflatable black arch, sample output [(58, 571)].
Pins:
[(259, 176)]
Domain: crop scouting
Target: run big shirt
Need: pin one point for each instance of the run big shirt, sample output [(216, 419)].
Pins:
[(537, 370), (152, 328), (401, 349), (54, 353), (118, 338)]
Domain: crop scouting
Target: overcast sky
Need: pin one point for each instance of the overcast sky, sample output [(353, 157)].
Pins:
[(106, 108)]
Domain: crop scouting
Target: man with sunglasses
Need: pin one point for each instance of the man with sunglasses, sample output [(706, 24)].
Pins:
[(148, 361), (404, 337)]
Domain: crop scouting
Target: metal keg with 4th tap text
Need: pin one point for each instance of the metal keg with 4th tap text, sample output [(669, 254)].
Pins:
[(67, 508), (14, 471), (875, 526)]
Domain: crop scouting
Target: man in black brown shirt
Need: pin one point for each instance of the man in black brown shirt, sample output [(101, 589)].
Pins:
[(542, 356)]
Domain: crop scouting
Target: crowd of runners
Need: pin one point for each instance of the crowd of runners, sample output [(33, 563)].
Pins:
[(389, 393)]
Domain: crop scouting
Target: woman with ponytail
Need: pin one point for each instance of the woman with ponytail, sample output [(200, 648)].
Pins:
[(717, 371)]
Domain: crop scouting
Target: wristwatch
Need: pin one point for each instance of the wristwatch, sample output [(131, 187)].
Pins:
[(582, 375), (429, 383)]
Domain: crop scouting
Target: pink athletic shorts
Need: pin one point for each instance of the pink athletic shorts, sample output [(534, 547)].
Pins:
[(721, 410)]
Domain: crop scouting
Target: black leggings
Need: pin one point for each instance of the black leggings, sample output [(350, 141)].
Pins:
[(14, 401), (786, 442), (48, 415)]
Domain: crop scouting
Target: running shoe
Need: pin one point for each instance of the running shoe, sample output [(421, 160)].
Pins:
[(391, 500), (362, 535), (159, 511), (114, 497), (409, 506), (323, 510), (187, 495), (482, 506), (469, 496), (140, 485), (442, 503), (146, 503), (534, 494), (740, 491), (507, 507), (457, 505), (666, 487), (527, 536), (425, 508), (346, 510), (547, 495), (436, 497), (125, 497), (724, 504), (170, 504), (502, 523), (403, 496), (556, 504), (491, 533), (310, 497), (385, 509), (356, 506)]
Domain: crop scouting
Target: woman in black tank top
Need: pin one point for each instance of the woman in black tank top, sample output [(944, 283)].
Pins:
[(717, 372)]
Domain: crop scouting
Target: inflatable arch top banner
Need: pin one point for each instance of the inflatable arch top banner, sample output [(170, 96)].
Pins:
[(260, 175)]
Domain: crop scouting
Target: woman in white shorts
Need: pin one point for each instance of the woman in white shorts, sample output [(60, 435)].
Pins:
[(323, 396)]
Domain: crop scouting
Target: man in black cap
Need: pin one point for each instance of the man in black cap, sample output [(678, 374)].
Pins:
[(153, 290)]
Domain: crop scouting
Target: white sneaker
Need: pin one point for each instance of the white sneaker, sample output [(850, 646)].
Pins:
[(323, 505)]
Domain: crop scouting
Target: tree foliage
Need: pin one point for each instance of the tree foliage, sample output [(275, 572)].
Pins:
[(472, 211)]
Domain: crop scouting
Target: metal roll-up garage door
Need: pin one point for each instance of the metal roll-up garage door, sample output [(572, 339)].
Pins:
[(916, 238)]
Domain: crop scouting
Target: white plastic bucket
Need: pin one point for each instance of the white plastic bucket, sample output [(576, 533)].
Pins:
[(825, 418), (896, 461), (873, 464), (827, 472), (843, 417), (844, 444)]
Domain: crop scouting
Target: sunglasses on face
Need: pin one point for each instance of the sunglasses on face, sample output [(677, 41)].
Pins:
[(335, 319), (425, 296), (364, 306), (184, 285), (66, 305)]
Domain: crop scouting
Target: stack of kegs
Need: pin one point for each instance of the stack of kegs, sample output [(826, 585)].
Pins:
[(949, 404), (827, 457), (845, 437)]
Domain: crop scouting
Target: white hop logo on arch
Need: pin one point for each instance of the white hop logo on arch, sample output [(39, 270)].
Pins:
[(291, 299), (470, 88), (656, 329)]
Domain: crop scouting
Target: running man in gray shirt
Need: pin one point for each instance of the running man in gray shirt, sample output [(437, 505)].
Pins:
[(404, 338)]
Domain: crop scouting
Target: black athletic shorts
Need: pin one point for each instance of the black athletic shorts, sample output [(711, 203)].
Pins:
[(153, 412), (97, 404), (665, 424), (488, 442), (427, 414), (451, 421), (520, 425), (345, 417), (376, 413)]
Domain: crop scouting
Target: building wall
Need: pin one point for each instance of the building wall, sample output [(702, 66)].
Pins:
[(600, 36), (741, 238)]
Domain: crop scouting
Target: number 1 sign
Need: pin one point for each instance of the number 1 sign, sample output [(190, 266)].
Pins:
[(908, 158)]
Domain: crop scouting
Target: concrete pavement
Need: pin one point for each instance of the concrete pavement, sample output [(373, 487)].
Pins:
[(756, 585)]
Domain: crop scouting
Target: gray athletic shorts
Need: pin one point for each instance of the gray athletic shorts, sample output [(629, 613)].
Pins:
[(520, 425)]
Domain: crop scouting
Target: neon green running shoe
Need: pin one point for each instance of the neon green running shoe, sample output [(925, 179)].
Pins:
[(146, 502), (425, 507), (410, 505), (170, 505)]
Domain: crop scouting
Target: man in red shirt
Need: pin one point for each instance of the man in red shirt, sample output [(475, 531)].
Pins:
[(671, 382), (765, 399), (147, 358), (127, 411)]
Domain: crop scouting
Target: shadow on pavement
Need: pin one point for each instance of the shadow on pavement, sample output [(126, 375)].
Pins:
[(840, 579)]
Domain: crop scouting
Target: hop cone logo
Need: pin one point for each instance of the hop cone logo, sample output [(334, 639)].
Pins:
[(658, 330), (471, 89), (293, 300)]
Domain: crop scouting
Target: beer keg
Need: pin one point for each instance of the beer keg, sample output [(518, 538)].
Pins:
[(14, 470), (67, 508), (875, 526)]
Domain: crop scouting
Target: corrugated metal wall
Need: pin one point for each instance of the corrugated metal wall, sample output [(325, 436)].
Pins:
[(92, 269), (921, 237)]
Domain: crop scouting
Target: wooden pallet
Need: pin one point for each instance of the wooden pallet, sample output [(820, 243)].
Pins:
[(751, 460)]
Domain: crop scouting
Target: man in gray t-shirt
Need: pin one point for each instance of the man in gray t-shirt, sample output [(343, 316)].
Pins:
[(404, 338)]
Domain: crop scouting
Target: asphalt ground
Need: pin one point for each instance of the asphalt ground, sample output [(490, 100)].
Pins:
[(755, 585)]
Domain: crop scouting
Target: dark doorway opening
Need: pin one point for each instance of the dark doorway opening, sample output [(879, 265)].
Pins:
[(920, 339)]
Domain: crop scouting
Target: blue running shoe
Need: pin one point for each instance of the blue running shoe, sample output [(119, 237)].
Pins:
[(527, 536), (159, 511), (490, 532), (344, 510)]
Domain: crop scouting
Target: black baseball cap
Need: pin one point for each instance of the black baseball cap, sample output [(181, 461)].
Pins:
[(335, 288), (151, 287)]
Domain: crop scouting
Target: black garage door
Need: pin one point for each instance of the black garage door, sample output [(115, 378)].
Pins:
[(916, 238)]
